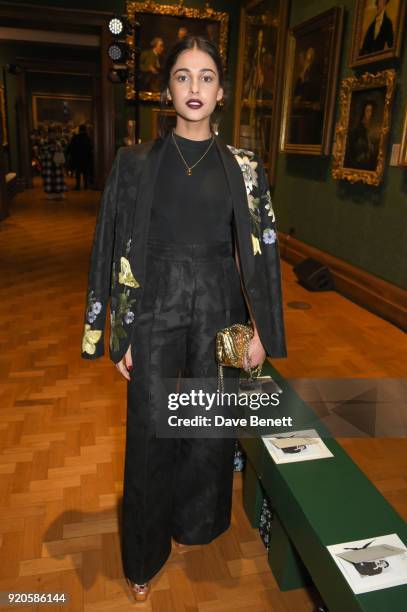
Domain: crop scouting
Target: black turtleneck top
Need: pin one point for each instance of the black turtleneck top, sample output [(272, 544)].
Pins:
[(196, 208)]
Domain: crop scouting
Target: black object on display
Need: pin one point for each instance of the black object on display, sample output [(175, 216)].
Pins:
[(313, 275)]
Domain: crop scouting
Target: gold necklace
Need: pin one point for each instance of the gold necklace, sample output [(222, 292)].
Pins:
[(189, 168)]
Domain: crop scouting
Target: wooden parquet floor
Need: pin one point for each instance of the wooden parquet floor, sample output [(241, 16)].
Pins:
[(62, 430)]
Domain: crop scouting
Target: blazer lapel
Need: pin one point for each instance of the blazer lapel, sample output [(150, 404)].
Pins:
[(240, 208), (145, 193)]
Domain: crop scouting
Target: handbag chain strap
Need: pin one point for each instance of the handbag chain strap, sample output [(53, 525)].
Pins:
[(253, 373)]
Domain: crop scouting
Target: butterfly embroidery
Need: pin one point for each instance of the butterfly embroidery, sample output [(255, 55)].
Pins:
[(125, 275), (90, 338), (256, 245), (248, 166)]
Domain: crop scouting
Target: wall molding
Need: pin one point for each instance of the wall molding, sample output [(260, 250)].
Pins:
[(379, 296)]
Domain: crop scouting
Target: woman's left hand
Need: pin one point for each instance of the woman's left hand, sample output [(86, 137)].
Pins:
[(256, 353)]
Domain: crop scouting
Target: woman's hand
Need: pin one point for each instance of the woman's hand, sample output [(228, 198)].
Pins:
[(256, 353), (125, 364)]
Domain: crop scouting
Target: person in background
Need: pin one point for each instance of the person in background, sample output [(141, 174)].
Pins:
[(79, 152), (52, 161)]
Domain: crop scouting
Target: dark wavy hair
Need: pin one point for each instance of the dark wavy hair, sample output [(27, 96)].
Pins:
[(190, 42), (364, 104)]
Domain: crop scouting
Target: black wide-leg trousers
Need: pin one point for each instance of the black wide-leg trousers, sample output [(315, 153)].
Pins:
[(176, 487)]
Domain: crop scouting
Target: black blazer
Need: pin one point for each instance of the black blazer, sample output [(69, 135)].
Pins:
[(117, 264)]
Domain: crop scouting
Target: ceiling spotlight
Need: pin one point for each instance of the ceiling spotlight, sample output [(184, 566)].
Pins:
[(117, 52), (116, 26)]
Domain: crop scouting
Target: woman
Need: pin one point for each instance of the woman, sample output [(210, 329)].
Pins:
[(52, 160), (185, 233), (79, 153)]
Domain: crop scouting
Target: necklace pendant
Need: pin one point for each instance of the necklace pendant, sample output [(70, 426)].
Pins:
[(189, 171)]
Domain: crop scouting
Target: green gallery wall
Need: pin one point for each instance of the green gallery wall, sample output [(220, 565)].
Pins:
[(362, 225)]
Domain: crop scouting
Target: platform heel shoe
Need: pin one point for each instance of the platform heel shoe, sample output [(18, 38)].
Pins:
[(139, 591)]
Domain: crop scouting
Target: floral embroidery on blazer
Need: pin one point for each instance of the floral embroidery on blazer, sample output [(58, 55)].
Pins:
[(122, 315), (264, 284), (249, 165)]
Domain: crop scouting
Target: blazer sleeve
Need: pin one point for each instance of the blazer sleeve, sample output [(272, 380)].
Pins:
[(99, 275), (271, 259)]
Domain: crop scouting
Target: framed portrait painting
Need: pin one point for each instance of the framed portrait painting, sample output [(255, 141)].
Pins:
[(363, 127), (262, 36), (377, 31), (162, 121), (161, 26), (61, 109), (311, 84)]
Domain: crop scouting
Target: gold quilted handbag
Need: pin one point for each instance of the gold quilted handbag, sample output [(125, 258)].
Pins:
[(232, 344)]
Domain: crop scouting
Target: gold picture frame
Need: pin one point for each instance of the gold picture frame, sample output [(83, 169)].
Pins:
[(55, 102), (262, 36), (3, 117), (313, 60), (363, 126), (402, 160), (371, 43), (160, 120), (135, 11)]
